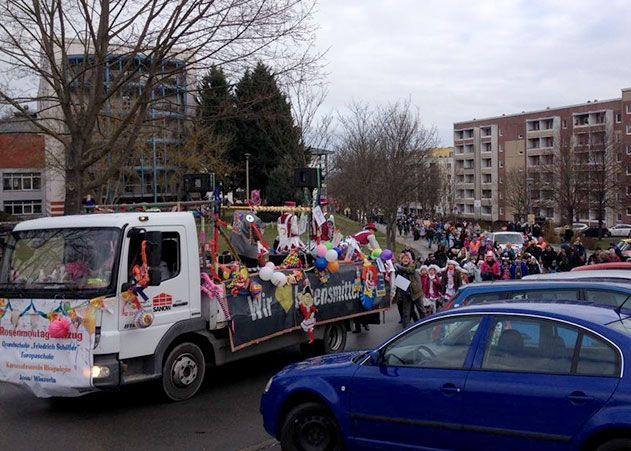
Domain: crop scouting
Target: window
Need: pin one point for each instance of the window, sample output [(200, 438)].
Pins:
[(530, 345), (628, 108), (545, 346), (27, 181), (564, 123), (596, 358), (619, 157), (552, 295), (170, 260), (438, 344), (610, 298), (501, 208), (500, 132), (628, 129), (618, 118), (501, 164), (627, 148), (23, 207), (628, 211)]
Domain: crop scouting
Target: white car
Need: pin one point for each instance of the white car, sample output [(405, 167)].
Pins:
[(578, 227), (515, 239), (621, 230)]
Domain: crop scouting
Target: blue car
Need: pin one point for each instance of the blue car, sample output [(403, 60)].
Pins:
[(605, 293), (532, 376)]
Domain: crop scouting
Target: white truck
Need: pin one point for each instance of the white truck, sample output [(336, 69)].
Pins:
[(75, 316)]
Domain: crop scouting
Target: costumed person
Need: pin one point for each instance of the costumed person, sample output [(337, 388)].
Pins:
[(288, 231), (366, 238), (508, 252), (533, 265), (490, 269), (473, 271), (431, 289), (519, 268), (451, 280), (407, 298), (420, 306), (505, 269)]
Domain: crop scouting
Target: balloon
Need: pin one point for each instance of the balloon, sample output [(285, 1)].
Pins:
[(331, 255), (321, 250), (386, 255), (340, 252), (59, 328), (270, 265), (376, 253), (328, 245), (266, 273), (333, 267), (321, 263), (279, 279)]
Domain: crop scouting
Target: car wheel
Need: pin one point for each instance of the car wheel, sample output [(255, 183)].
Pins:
[(183, 372), (310, 427), (618, 444)]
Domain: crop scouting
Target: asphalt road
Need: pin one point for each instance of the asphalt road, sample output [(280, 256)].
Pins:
[(223, 416)]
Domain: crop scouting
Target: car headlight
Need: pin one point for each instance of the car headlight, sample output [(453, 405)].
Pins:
[(268, 385)]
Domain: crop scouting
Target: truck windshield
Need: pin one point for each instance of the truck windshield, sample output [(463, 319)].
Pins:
[(60, 259)]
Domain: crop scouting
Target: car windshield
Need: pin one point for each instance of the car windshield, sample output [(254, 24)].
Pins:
[(73, 258), (505, 238)]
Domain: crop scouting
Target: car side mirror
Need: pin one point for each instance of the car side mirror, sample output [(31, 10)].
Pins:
[(376, 357)]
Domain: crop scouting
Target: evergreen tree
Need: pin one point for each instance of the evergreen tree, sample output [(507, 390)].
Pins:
[(216, 110), (266, 130)]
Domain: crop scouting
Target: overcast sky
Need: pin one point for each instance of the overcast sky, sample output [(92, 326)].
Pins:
[(459, 59)]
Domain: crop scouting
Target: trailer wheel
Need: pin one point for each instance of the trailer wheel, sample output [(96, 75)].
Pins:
[(334, 338), (183, 372)]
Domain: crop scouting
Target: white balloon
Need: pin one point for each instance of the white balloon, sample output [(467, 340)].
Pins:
[(266, 273), (279, 279), (331, 255), (270, 265)]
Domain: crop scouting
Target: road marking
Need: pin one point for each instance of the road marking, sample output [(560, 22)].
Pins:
[(267, 444)]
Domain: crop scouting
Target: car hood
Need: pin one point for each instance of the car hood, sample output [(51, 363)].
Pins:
[(324, 363)]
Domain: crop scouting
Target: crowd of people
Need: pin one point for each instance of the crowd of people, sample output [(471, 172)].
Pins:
[(463, 254)]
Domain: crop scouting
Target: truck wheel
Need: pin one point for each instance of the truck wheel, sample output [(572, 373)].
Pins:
[(310, 426), (334, 338), (183, 372)]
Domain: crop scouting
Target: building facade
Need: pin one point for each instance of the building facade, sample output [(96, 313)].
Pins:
[(441, 199), (487, 151), (150, 174), (22, 169)]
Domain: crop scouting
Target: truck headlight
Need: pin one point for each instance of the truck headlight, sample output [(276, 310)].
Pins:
[(99, 372)]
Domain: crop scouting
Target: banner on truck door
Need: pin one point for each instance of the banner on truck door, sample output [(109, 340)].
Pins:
[(46, 345), (304, 302)]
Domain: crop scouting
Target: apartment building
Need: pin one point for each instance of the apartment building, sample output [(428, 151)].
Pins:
[(22, 169), (486, 150), (151, 174), (441, 159)]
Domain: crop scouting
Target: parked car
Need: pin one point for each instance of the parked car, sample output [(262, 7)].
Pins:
[(621, 230), (577, 227), (592, 232), (604, 266), (595, 275), (625, 248), (515, 239), (519, 376), (611, 294)]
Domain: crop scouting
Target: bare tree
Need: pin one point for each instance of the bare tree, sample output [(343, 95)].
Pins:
[(517, 195), (86, 55), (561, 180), (387, 161)]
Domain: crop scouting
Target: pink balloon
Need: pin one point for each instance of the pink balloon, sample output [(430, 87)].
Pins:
[(59, 328), (321, 250)]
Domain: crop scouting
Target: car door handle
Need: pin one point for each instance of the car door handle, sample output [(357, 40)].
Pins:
[(449, 389), (579, 398)]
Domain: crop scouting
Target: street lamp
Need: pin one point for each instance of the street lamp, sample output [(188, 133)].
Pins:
[(529, 182), (247, 176)]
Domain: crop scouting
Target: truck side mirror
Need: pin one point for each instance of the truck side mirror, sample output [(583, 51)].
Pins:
[(154, 256)]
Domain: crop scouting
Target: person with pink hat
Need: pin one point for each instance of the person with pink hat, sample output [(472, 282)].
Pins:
[(490, 269)]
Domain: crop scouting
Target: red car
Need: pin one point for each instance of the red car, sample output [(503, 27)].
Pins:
[(612, 265)]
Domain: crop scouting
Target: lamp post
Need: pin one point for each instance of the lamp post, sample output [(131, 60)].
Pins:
[(247, 176), (529, 182)]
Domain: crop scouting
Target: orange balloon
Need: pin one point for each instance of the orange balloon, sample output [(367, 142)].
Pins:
[(333, 267)]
